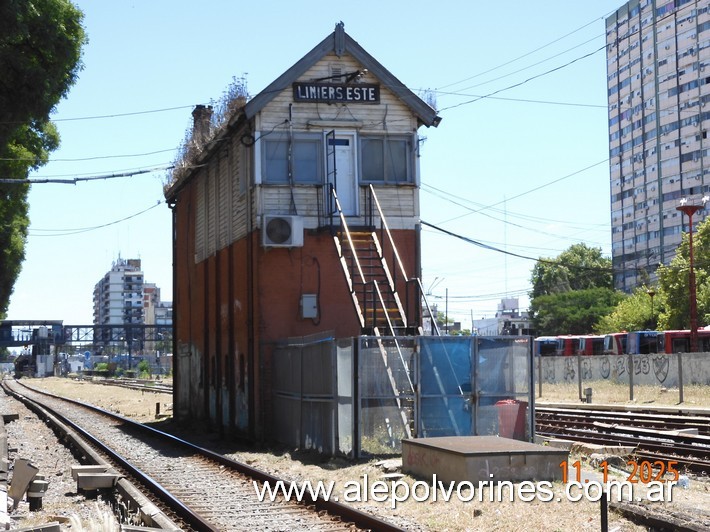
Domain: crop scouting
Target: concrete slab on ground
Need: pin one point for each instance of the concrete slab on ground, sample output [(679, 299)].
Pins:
[(481, 459)]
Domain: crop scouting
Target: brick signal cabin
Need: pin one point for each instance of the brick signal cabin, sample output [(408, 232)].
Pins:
[(298, 218)]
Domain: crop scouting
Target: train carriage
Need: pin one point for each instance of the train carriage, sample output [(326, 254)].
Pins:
[(615, 343), (591, 344), (678, 341), (545, 345)]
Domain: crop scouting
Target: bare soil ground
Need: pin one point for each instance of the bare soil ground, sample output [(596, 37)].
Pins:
[(454, 515)]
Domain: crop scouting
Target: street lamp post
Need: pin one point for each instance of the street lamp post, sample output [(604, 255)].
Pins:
[(690, 210), (652, 293), (130, 341)]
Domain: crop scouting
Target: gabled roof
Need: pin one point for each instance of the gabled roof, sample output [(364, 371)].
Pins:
[(340, 43)]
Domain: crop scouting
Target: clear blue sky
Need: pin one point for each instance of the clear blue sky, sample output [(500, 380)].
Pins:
[(518, 162)]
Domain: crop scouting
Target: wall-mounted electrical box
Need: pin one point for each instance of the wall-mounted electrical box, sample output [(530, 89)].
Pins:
[(309, 306)]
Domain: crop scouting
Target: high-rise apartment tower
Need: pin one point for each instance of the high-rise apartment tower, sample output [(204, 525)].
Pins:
[(658, 76), (118, 296)]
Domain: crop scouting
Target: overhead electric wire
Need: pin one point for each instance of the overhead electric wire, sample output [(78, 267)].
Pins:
[(638, 31), (484, 297), (527, 100), (523, 82), (523, 56), (91, 158), (75, 231), (606, 160), (115, 115), (76, 180), (532, 65), (447, 196), (498, 250), (166, 166), (569, 238)]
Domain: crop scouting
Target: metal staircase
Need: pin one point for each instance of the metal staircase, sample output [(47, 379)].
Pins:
[(377, 300), (371, 280), (374, 294), (373, 289)]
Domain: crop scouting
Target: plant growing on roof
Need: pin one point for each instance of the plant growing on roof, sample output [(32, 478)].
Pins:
[(232, 101)]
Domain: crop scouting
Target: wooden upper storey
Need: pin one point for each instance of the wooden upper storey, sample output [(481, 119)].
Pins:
[(336, 118)]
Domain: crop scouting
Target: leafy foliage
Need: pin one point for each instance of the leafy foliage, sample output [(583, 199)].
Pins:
[(40, 58), (572, 291), (635, 312), (577, 268), (573, 311), (674, 285), (144, 368)]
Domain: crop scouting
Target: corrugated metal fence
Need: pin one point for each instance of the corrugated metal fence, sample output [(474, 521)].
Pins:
[(359, 396)]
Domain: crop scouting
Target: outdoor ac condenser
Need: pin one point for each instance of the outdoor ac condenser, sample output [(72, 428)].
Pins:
[(282, 231)]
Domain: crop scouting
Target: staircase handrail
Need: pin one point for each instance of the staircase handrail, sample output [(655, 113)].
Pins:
[(392, 333), (434, 324), (344, 226), (383, 221)]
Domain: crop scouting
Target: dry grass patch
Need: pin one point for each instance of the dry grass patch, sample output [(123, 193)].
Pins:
[(607, 392)]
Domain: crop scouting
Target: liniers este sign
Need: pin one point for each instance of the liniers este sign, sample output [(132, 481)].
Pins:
[(336, 93)]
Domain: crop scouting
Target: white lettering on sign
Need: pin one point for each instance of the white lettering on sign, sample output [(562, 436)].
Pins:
[(330, 92)]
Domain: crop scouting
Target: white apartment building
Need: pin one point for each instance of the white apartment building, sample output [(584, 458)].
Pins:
[(118, 296), (658, 74)]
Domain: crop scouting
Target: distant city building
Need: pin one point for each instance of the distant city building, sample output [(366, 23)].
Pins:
[(658, 88), (122, 297), (509, 320)]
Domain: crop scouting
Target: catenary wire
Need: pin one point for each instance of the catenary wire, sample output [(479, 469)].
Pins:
[(74, 231), (521, 56)]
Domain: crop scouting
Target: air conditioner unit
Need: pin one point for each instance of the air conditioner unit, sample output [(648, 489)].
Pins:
[(281, 231)]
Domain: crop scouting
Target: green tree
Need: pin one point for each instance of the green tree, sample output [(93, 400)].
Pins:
[(577, 268), (40, 58), (674, 286), (572, 312), (572, 291), (635, 312)]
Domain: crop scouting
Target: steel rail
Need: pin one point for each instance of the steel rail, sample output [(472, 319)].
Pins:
[(662, 451), (191, 517), (656, 437), (336, 509), (644, 418)]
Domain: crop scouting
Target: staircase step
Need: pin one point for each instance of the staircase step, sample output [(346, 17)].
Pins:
[(363, 251)]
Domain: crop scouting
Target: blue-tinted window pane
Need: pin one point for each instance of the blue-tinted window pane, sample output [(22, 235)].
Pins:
[(373, 167), (275, 161), (306, 161), (397, 159)]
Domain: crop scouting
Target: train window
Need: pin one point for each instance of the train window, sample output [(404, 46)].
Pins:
[(597, 346), (648, 344), (680, 345)]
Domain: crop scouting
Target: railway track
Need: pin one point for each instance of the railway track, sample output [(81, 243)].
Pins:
[(668, 434), (137, 384), (193, 488), (657, 436)]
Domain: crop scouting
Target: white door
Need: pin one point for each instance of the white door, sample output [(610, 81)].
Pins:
[(341, 151)]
